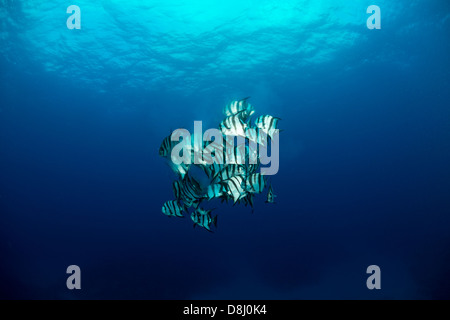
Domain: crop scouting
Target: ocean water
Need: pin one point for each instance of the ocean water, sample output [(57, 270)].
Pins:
[(364, 174)]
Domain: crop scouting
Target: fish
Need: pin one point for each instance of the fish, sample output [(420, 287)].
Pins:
[(213, 153), (173, 209), (270, 195), (268, 124), (251, 169), (212, 176), (177, 189), (241, 107), (191, 191), (233, 126), (203, 219), (166, 146), (230, 171), (234, 187), (255, 183)]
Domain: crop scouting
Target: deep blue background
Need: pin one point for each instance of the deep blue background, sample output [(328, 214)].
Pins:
[(364, 179)]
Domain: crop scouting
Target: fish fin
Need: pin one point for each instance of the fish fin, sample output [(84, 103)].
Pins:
[(215, 221), (194, 225), (246, 98)]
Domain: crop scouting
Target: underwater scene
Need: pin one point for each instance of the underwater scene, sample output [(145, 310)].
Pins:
[(224, 150)]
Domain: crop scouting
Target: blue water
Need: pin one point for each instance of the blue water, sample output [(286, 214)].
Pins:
[(364, 176)]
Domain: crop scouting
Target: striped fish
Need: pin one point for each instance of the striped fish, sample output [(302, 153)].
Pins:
[(241, 107), (251, 169), (255, 183), (234, 188), (173, 209), (246, 114), (190, 191), (166, 146), (203, 219), (177, 189), (268, 124), (233, 126), (230, 171), (270, 196)]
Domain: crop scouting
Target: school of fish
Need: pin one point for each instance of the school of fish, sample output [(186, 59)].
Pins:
[(238, 183)]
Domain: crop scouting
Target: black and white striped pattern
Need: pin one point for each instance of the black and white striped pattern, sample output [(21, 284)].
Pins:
[(203, 219), (190, 191), (268, 124), (177, 189), (234, 188), (230, 171), (166, 146), (255, 183), (172, 209), (239, 106), (233, 126)]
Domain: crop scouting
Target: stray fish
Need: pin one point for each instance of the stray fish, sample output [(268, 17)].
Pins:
[(270, 196)]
